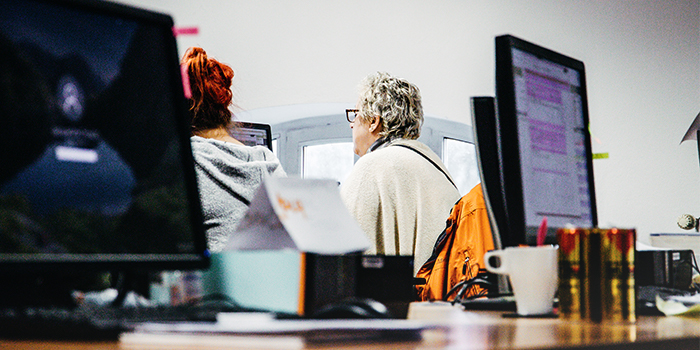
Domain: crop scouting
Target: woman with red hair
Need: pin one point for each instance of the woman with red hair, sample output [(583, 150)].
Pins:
[(228, 172)]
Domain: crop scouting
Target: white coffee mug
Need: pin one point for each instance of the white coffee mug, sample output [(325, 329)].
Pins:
[(533, 274)]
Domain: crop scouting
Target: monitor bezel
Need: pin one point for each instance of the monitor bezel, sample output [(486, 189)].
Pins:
[(508, 129), (133, 262)]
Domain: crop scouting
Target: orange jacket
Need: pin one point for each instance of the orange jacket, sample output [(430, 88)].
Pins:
[(467, 235)]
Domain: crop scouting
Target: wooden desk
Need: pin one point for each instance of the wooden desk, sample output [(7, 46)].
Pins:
[(487, 330), (490, 330)]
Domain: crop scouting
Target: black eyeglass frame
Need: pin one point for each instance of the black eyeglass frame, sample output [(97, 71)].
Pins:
[(347, 114)]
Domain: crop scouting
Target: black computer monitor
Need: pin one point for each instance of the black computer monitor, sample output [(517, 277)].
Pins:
[(96, 170), (252, 134), (544, 141), (487, 142)]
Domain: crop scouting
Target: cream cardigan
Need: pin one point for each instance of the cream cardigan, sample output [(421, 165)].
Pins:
[(400, 199)]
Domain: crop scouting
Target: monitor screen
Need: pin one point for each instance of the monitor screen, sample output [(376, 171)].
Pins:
[(94, 145), (542, 117), (252, 134)]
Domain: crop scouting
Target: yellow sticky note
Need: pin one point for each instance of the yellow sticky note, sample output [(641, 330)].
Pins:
[(601, 155)]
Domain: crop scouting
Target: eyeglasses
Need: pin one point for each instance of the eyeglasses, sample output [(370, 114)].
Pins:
[(351, 114)]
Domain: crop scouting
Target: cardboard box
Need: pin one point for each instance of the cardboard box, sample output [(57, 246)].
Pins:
[(295, 250)]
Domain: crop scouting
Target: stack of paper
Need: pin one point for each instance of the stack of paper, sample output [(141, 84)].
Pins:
[(262, 331)]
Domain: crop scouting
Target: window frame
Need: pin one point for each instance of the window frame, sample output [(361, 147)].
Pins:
[(293, 135)]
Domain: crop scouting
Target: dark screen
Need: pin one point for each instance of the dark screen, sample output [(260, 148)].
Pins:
[(94, 145)]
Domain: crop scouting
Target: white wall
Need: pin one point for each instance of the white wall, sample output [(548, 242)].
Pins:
[(642, 59)]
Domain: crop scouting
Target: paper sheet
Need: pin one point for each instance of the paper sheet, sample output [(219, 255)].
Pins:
[(676, 306), (272, 326), (305, 214)]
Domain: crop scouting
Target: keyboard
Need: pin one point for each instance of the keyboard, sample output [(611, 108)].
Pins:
[(85, 322)]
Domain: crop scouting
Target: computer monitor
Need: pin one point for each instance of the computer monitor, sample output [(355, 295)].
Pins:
[(96, 169), (487, 144), (545, 149), (252, 134)]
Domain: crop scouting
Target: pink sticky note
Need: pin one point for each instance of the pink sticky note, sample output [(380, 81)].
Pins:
[(185, 81), (185, 31)]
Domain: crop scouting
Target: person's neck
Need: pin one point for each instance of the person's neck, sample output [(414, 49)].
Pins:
[(220, 134), (381, 143)]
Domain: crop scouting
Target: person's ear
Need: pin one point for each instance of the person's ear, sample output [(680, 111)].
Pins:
[(375, 124)]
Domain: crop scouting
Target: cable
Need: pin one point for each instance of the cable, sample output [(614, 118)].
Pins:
[(463, 286), (482, 293), (467, 272), (695, 263)]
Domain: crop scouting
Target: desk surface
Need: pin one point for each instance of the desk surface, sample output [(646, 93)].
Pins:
[(486, 330)]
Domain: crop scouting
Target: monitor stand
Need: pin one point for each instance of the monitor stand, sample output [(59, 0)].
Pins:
[(130, 281)]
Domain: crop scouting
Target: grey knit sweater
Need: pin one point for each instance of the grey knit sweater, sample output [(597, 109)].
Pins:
[(228, 175)]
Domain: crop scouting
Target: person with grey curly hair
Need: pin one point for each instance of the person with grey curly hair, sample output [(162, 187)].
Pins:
[(399, 190)]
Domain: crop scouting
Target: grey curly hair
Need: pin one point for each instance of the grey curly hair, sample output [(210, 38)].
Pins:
[(396, 101)]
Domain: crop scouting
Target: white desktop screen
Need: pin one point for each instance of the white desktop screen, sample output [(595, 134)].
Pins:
[(552, 142)]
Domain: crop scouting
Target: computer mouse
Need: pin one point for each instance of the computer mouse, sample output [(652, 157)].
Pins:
[(354, 308), (207, 309)]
